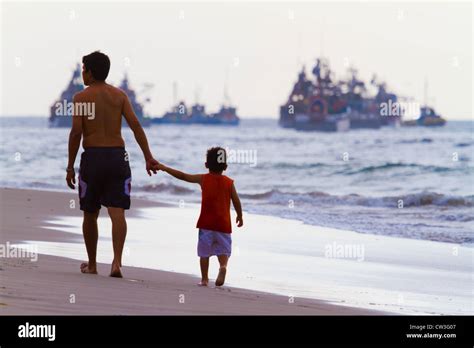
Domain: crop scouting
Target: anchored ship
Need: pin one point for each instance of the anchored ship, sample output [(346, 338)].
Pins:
[(314, 105), (324, 104), (227, 115), (61, 119), (182, 115), (58, 119), (428, 116), (137, 106)]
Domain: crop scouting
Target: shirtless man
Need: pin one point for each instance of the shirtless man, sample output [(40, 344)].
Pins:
[(104, 174)]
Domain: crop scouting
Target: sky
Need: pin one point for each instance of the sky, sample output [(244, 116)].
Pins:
[(255, 49)]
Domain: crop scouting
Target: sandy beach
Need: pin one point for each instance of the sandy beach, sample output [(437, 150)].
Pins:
[(53, 285)]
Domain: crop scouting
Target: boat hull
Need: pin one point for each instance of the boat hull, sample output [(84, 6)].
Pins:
[(326, 125), (365, 124), (331, 123)]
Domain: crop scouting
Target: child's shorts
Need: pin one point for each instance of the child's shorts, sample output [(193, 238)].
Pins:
[(213, 243)]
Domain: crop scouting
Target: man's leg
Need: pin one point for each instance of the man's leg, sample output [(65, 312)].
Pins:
[(91, 235), (204, 262), (223, 259), (119, 232)]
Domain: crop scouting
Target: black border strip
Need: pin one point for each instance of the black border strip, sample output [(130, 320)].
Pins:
[(290, 330)]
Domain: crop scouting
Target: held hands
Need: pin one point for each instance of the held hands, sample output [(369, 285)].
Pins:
[(151, 166), (154, 166), (158, 167)]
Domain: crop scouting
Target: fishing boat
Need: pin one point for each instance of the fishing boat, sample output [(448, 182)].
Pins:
[(180, 114), (64, 119), (75, 85), (325, 104), (136, 105), (428, 116)]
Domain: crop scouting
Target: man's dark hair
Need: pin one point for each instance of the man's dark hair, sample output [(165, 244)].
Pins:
[(98, 64), (216, 159)]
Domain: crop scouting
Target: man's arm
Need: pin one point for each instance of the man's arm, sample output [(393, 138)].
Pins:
[(75, 136), (237, 206), (193, 178), (139, 134)]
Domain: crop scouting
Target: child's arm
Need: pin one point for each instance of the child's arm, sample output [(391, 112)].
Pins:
[(194, 178), (237, 206)]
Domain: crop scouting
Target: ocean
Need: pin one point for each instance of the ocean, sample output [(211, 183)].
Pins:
[(406, 182)]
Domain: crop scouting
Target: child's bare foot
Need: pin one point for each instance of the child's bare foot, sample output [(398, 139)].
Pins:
[(203, 282), (221, 276), (115, 272), (85, 268)]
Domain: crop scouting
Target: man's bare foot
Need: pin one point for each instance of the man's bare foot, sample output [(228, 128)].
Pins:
[(115, 272), (221, 276), (203, 282), (85, 268)]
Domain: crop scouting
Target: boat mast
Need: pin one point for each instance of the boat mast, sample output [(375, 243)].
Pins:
[(175, 93), (197, 92), (322, 38), (425, 92), (226, 93)]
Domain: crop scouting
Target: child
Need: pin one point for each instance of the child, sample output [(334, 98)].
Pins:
[(214, 222)]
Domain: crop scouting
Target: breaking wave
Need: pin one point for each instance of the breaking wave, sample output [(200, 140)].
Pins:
[(409, 200), (390, 165)]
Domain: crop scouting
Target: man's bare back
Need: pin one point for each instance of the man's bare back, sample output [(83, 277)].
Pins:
[(105, 128)]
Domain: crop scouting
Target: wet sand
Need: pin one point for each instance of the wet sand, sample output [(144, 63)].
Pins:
[(53, 285)]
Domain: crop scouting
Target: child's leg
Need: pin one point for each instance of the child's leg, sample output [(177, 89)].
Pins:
[(223, 259), (204, 261)]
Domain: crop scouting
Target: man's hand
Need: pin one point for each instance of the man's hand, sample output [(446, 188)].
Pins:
[(71, 179), (239, 220), (151, 165)]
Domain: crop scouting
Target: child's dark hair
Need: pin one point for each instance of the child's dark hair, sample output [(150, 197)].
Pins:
[(216, 159)]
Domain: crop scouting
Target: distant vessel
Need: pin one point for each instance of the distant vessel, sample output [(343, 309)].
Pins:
[(324, 104), (428, 116), (137, 106), (182, 115), (227, 115), (313, 105), (75, 85)]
